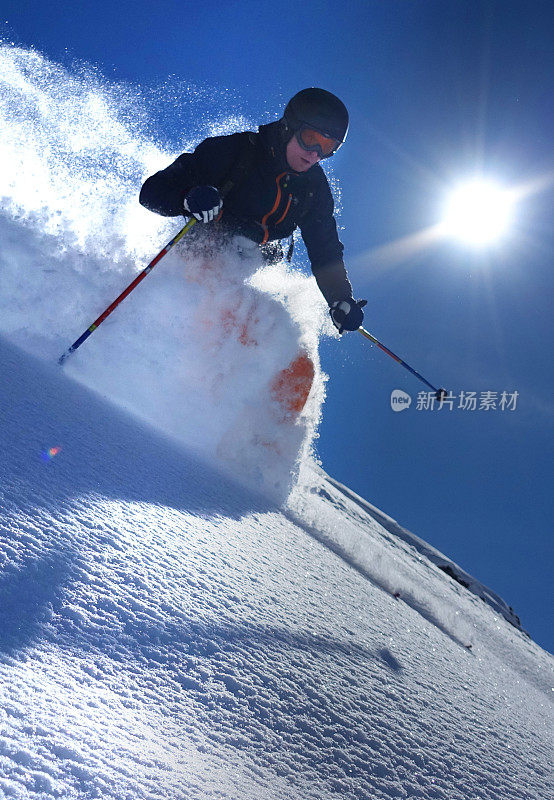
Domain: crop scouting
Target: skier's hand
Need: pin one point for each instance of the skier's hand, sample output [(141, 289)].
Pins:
[(347, 315), (204, 203)]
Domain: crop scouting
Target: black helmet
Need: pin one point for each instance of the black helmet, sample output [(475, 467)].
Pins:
[(319, 109)]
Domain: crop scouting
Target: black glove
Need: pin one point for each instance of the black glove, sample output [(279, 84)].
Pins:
[(347, 315), (204, 203)]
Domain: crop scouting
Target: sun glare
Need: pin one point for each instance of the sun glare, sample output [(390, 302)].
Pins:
[(478, 213)]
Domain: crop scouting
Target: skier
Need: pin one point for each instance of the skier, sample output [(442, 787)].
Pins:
[(264, 185)]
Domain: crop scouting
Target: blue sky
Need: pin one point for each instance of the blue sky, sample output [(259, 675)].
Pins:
[(437, 91)]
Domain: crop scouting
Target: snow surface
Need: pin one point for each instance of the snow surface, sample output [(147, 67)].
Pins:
[(169, 634), (176, 621)]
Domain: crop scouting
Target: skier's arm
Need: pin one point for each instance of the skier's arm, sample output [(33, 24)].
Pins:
[(319, 232), (209, 165), (165, 191)]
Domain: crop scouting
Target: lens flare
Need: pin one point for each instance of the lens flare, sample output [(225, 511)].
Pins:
[(50, 453)]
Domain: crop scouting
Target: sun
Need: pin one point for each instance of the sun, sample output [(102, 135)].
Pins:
[(478, 212)]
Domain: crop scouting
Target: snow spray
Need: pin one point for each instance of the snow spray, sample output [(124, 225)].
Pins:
[(197, 348)]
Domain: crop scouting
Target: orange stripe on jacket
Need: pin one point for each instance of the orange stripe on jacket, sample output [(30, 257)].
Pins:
[(282, 217), (274, 209)]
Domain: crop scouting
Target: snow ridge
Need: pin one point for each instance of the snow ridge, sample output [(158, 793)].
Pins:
[(435, 556)]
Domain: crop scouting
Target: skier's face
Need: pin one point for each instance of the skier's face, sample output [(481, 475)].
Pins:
[(298, 159)]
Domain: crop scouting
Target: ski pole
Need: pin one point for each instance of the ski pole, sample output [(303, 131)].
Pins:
[(84, 336), (439, 393)]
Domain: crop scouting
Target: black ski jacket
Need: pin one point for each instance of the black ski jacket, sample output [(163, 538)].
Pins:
[(266, 203)]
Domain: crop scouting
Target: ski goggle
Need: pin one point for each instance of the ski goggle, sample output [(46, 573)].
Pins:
[(313, 140)]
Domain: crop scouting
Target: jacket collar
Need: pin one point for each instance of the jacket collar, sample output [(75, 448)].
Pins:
[(274, 145)]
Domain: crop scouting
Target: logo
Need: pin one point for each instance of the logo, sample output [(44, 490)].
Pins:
[(399, 400)]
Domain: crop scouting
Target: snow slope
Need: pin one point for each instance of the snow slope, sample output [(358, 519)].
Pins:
[(168, 634)]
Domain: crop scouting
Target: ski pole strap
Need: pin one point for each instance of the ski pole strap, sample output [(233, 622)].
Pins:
[(290, 251)]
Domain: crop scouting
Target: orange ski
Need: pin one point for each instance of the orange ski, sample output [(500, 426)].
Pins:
[(291, 386)]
